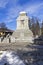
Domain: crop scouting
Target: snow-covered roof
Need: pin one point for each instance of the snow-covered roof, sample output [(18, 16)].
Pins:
[(23, 12)]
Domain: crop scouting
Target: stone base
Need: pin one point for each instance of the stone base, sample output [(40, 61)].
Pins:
[(23, 36)]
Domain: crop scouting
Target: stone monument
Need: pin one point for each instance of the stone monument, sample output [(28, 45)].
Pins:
[(22, 32)]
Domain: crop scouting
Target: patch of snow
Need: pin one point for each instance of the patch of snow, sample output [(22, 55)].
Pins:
[(23, 12), (10, 58)]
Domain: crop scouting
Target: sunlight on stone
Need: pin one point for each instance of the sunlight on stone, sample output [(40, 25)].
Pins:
[(10, 58)]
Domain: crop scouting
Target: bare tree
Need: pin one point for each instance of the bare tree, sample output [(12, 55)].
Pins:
[(42, 28), (3, 25), (37, 28), (34, 26)]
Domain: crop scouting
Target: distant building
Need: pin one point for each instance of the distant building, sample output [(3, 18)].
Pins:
[(6, 31)]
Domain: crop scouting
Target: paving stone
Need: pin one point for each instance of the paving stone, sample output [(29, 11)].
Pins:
[(40, 63)]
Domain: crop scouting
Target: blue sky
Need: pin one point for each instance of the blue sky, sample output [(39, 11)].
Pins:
[(9, 10)]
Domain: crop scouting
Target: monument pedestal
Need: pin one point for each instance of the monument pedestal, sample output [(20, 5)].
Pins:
[(23, 36)]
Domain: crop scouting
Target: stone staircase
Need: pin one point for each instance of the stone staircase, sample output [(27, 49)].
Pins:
[(5, 40)]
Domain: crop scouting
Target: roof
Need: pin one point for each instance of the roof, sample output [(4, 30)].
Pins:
[(5, 30)]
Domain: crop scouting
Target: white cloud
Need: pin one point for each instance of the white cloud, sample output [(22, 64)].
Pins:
[(8, 19), (13, 12), (33, 8), (3, 3)]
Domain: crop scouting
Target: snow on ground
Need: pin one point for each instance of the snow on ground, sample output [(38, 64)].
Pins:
[(10, 58)]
